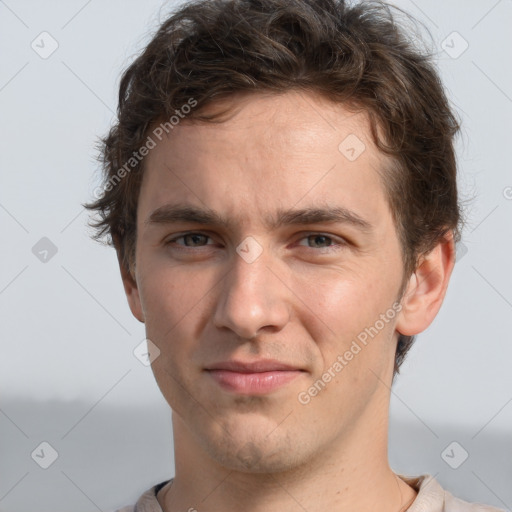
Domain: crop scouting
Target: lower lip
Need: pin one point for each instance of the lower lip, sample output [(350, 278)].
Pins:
[(253, 383)]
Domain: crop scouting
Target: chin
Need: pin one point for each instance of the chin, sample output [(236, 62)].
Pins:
[(254, 454)]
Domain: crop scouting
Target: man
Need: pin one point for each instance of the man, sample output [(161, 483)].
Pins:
[(280, 188)]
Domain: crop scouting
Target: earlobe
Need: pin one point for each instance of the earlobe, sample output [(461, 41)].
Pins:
[(132, 291), (427, 288)]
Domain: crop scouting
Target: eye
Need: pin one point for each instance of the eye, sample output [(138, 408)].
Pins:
[(191, 239), (323, 241), (319, 241)]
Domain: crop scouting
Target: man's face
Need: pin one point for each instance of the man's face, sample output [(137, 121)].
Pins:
[(253, 288)]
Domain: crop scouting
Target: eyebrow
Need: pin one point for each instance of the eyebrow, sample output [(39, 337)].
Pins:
[(174, 213)]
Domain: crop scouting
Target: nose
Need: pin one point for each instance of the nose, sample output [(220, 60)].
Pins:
[(253, 298)]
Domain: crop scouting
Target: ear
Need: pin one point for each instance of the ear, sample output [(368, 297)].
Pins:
[(426, 288), (131, 290)]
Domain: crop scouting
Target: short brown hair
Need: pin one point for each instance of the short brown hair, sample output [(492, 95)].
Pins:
[(351, 54)]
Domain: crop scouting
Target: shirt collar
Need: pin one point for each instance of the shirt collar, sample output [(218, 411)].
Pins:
[(430, 496)]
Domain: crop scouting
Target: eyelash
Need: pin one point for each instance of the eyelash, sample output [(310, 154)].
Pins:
[(337, 242)]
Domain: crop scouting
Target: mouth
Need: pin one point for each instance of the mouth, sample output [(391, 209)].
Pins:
[(253, 378)]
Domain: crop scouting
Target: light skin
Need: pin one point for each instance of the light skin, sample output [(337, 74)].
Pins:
[(302, 301)]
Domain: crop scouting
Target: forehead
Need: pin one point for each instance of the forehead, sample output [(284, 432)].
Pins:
[(287, 123), (270, 151)]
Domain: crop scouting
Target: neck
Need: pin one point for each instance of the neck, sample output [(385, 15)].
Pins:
[(352, 473)]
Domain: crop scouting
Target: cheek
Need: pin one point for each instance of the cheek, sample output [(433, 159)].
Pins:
[(170, 306), (342, 297), (172, 300), (345, 307), (171, 294)]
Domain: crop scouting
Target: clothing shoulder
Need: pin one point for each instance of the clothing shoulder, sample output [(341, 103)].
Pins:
[(147, 502), (433, 498)]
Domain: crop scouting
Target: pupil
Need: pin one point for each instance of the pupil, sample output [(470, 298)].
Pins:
[(194, 238), (321, 237)]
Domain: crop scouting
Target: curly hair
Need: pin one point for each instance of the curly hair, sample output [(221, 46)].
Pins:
[(357, 55)]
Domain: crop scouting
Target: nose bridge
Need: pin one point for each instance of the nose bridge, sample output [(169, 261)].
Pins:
[(251, 296)]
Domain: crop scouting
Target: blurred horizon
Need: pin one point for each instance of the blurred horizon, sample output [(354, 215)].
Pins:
[(109, 455)]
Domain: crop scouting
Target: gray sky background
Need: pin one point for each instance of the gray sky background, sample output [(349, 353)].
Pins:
[(67, 332)]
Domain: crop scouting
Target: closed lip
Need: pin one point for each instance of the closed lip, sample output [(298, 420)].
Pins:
[(261, 365)]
